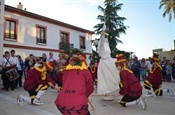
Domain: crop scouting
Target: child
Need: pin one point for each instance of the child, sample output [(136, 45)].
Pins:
[(77, 85), (130, 87), (37, 83), (154, 79), (93, 70)]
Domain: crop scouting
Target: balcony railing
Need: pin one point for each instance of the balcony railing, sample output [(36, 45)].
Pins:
[(65, 46), (83, 47), (10, 36), (43, 41)]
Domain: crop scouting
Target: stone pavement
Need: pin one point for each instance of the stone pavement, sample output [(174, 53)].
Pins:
[(164, 105)]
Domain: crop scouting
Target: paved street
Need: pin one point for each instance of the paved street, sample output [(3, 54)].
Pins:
[(164, 105)]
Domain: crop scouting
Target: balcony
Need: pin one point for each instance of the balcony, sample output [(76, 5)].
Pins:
[(10, 36), (42, 41), (83, 47), (65, 46)]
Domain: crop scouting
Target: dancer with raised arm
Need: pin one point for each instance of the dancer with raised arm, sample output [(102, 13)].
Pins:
[(108, 78)]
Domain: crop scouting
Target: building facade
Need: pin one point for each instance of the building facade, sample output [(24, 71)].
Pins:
[(29, 33), (163, 53), (1, 26)]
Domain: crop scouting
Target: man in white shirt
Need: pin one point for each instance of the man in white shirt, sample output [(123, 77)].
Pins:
[(12, 52), (148, 64), (7, 63)]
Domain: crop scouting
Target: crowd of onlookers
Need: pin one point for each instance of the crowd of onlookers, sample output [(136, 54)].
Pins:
[(22, 66), (141, 68)]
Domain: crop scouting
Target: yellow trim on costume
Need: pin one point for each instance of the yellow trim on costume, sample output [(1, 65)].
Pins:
[(38, 68), (157, 66), (120, 84), (122, 60), (93, 70), (42, 70), (82, 67), (122, 102), (33, 97), (155, 59), (49, 65), (152, 69), (44, 87), (157, 92), (148, 83), (125, 68), (39, 87), (62, 70)]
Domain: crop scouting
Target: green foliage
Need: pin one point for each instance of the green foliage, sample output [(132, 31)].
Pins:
[(169, 8), (114, 25)]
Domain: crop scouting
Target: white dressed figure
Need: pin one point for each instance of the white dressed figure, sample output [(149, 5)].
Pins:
[(108, 77)]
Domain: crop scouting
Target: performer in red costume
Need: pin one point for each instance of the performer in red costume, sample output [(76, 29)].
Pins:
[(37, 83), (130, 87), (154, 79), (77, 85), (93, 70), (58, 77)]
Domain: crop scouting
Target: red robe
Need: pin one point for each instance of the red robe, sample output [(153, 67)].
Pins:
[(155, 77), (34, 78), (129, 84), (76, 88), (93, 71), (58, 78)]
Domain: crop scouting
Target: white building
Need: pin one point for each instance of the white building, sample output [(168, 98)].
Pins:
[(1, 26), (30, 33)]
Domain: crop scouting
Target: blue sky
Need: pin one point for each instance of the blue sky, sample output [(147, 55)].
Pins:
[(147, 28)]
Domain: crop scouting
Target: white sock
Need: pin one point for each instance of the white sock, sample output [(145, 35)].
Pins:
[(40, 93), (165, 90), (131, 103), (26, 98)]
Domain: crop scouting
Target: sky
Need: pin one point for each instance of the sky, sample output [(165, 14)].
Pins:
[(147, 28)]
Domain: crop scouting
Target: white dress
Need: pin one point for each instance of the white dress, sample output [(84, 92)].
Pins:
[(108, 75)]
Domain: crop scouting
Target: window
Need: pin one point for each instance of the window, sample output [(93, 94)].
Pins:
[(41, 35), (82, 42), (64, 37), (10, 29), (64, 41)]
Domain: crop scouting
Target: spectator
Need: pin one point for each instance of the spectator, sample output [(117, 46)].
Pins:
[(136, 68)]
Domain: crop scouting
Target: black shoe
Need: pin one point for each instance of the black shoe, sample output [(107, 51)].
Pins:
[(12, 89), (6, 89), (3, 88)]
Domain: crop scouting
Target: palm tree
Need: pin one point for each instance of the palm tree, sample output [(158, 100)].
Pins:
[(169, 8), (114, 23)]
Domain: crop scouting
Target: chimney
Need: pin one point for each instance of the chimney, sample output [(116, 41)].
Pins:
[(20, 6)]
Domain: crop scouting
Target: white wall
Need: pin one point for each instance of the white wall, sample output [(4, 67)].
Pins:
[(27, 36), (1, 26), (27, 33)]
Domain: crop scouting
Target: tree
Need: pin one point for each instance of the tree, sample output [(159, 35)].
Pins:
[(114, 23), (169, 8)]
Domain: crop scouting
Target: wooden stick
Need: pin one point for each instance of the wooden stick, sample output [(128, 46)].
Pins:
[(104, 95), (93, 109)]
